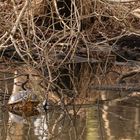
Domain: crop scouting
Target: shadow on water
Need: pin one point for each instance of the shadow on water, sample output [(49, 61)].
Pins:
[(109, 120)]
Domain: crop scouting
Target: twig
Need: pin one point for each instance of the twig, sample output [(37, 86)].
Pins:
[(13, 31)]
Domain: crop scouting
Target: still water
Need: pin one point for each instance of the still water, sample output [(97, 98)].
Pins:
[(109, 120), (119, 122)]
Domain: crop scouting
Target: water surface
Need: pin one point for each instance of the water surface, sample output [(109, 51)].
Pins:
[(108, 120)]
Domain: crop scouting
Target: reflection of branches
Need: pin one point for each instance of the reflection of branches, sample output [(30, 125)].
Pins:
[(66, 123), (53, 134), (100, 122), (56, 122)]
